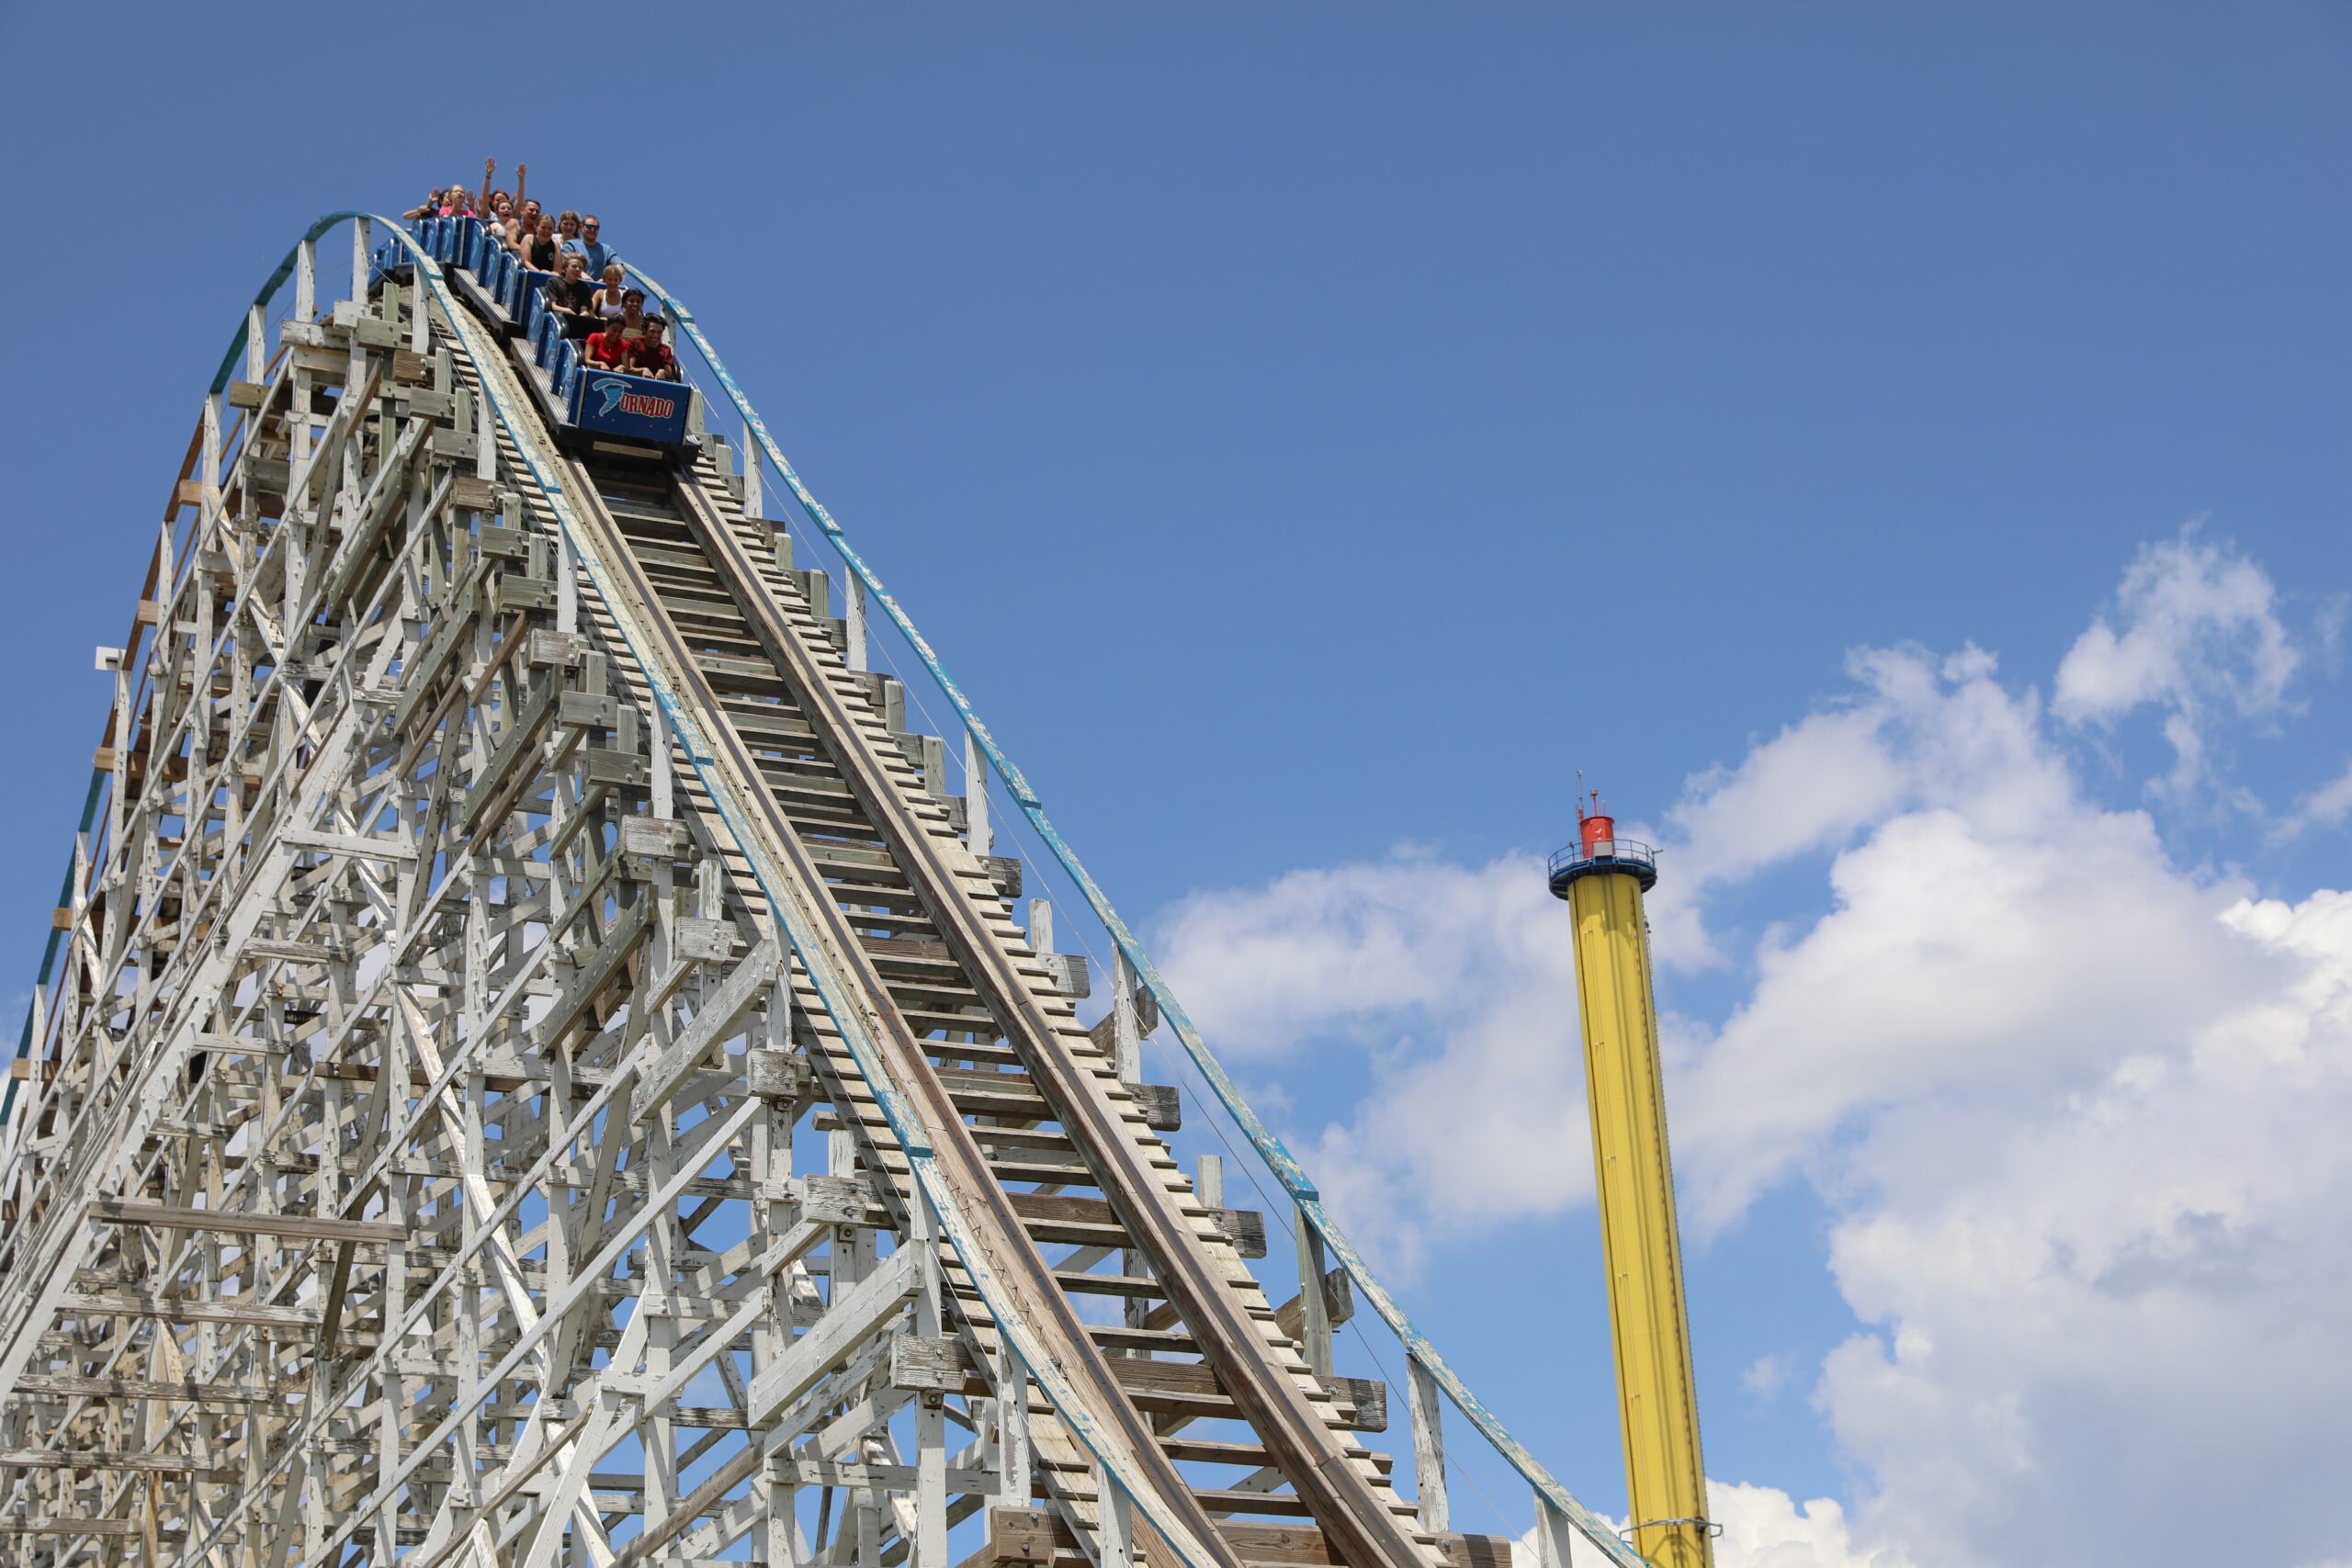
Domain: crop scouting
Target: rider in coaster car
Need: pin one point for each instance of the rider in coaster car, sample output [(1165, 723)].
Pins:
[(538, 249), (490, 209), (449, 201), (648, 356), (607, 350), (632, 313), (571, 298), (521, 228), (606, 302), (589, 244)]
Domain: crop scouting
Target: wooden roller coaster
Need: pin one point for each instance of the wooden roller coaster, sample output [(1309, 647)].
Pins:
[(535, 1065)]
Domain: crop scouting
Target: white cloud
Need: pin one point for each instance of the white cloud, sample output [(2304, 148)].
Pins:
[(1763, 1527), (2076, 1109), (1765, 1377), (1316, 950), (1969, 965), (2199, 634), (2118, 1321), (1458, 984), (2325, 807), (1915, 731)]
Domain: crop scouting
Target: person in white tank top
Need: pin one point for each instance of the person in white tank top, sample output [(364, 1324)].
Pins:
[(608, 302)]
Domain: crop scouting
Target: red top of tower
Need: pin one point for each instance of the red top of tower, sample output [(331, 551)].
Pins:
[(1594, 826)]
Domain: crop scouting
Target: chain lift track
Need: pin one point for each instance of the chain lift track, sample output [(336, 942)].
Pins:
[(533, 1065)]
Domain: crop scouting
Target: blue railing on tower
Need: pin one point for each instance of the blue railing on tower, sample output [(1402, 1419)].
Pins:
[(1581, 859)]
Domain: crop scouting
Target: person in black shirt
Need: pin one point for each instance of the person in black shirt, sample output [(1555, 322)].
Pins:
[(539, 246), (569, 296)]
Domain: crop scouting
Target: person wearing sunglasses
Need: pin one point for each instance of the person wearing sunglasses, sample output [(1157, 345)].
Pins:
[(590, 246)]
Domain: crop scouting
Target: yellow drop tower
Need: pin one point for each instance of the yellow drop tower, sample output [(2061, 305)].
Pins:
[(1602, 877)]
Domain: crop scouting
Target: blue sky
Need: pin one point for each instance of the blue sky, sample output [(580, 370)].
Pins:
[(1315, 430)]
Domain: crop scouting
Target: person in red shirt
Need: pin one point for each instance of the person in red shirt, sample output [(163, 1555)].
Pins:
[(648, 356), (607, 350)]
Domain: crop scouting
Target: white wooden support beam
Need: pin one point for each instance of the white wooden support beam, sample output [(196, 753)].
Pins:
[(256, 345), (856, 1315), (665, 799), (1208, 1187), (852, 1250), (466, 1463), (931, 1407), (306, 280), (359, 234), (854, 609), (1126, 1032), (1429, 1447), (755, 502), (976, 796), (209, 476), (1127, 1051), (721, 1011), (1553, 1535), (394, 1402), (567, 587), (1012, 1451), (486, 440), (1118, 1521), (925, 1233), (1315, 1311), (1041, 925)]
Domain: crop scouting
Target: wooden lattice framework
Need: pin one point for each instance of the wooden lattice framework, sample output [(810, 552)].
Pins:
[(540, 1070)]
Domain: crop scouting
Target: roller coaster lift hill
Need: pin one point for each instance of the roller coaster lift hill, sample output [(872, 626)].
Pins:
[(560, 1044)]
